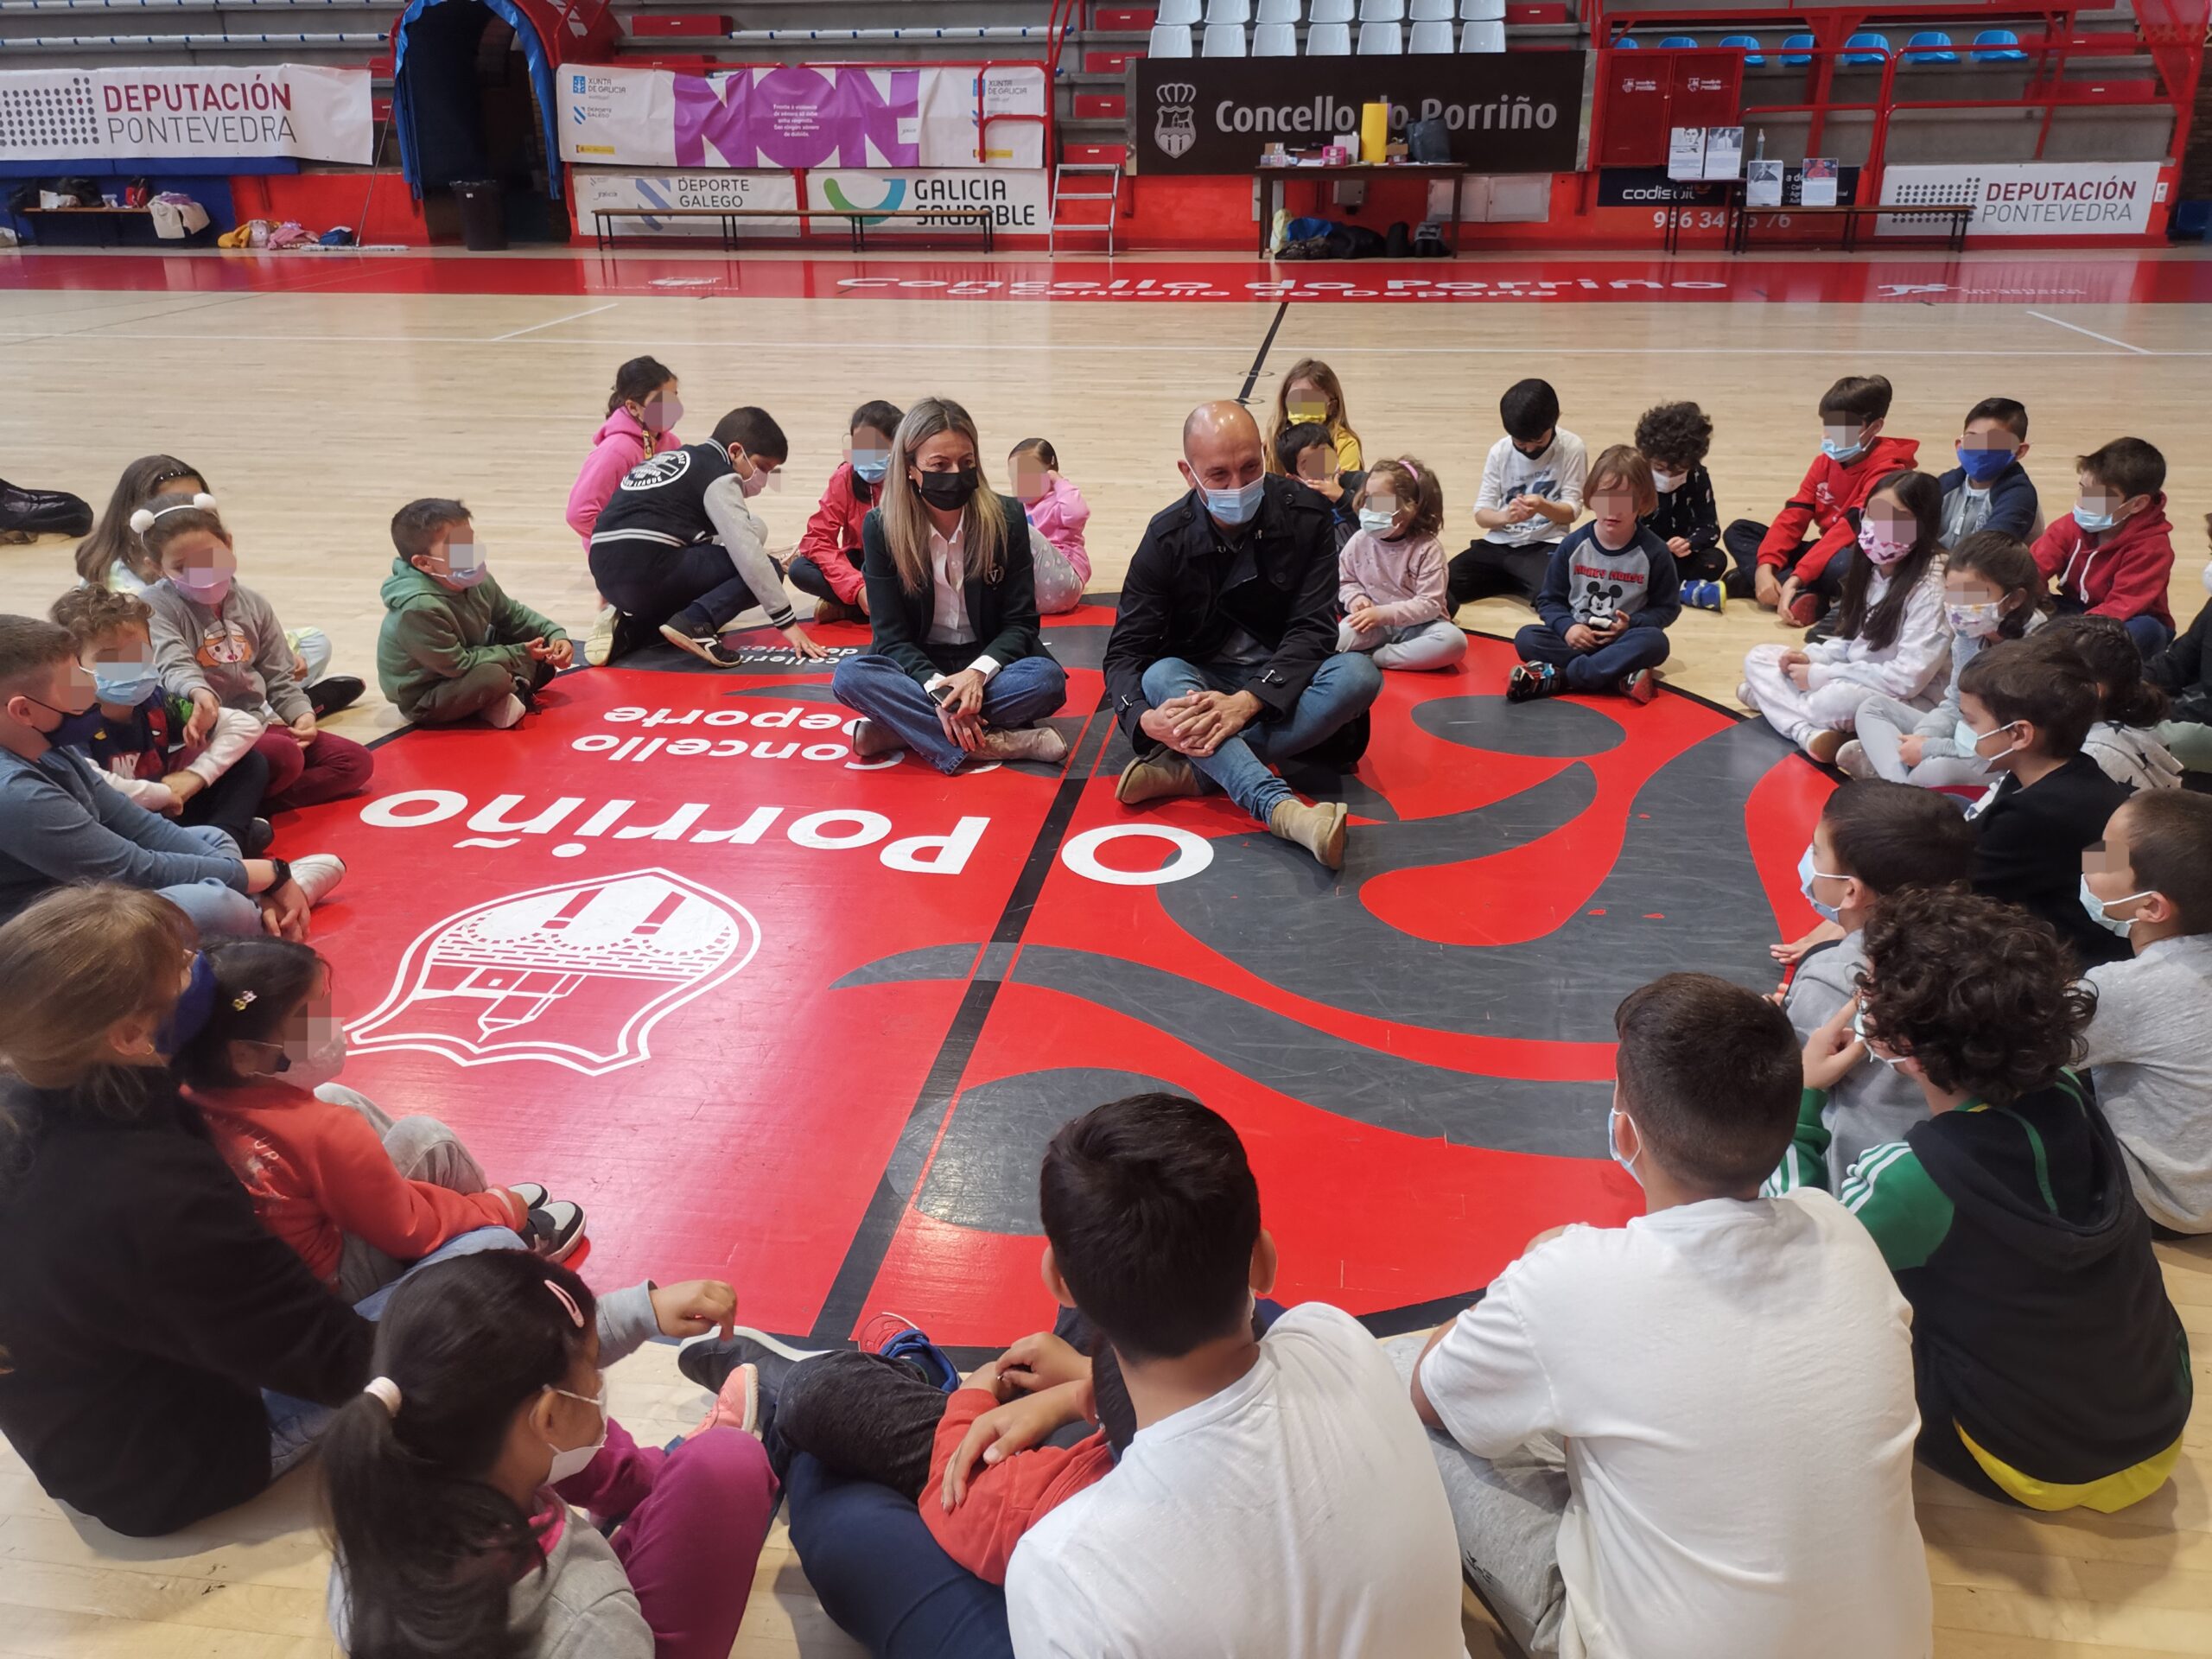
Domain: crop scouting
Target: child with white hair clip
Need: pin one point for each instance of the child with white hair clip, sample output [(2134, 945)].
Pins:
[(1391, 575)]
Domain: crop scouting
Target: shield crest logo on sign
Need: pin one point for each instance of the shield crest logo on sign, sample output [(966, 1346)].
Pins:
[(576, 974), (1176, 129)]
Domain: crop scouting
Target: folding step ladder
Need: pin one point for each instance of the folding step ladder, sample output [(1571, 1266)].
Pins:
[(1082, 174)]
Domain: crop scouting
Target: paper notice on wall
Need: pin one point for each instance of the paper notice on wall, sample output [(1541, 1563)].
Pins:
[(1817, 186), (1686, 153), (1763, 184), (1724, 152)]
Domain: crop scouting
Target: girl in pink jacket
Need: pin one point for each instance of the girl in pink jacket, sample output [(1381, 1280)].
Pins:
[(641, 415), (1057, 513), (1390, 575)]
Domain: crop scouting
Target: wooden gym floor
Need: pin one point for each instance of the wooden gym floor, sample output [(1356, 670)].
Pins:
[(315, 407)]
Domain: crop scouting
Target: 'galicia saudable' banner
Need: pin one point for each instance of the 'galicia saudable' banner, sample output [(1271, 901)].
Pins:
[(205, 110), (801, 116), (1506, 113)]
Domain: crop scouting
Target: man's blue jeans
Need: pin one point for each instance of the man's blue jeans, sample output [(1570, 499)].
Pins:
[(1020, 694), (1339, 692)]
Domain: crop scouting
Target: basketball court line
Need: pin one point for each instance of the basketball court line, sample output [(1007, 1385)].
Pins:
[(1259, 361), (574, 316), (2092, 334)]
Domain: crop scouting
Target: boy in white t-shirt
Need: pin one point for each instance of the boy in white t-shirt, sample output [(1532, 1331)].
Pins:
[(1731, 1376), (1531, 493), (1278, 1500)]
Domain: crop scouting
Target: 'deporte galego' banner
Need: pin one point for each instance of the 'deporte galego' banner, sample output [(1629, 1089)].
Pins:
[(804, 115), (1505, 112), (200, 110)]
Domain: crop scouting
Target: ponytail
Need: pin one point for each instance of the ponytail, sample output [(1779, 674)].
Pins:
[(427, 1547)]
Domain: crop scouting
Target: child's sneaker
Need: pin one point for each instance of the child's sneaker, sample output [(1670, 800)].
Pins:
[(506, 714), (1853, 760), (707, 647), (599, 644), (1804, 610), (737, 1405), (317, 874), (1641, 686), (896, 1336), (709, 1359), (259, 834), (1529, 681), (1704, 596), (553, 1230), (1825, 745)]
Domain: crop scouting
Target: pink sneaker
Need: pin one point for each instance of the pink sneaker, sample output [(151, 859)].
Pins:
[(737, 1405)]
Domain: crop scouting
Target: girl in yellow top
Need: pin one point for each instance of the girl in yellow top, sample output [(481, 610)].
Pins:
[(1311, 391)]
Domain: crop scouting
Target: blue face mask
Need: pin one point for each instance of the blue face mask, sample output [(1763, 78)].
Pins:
[(1982, 465), (132, 691), (1377, 523), (190, 1015), (1836, 450), (2093, 521), (1234, 507), (1965, 737), (870, 465), (2100, 909), (464, 566), (1806, 875), (469, 576)]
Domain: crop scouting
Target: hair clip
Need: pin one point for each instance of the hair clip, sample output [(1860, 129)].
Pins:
[(384, 1392), (242, 1001), (142, 520), (568, 1302)]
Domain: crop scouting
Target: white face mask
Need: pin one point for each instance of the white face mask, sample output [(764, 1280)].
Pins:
[(307, 1068), (1859, 1030), (573, 1459), (1806, 875), (1613, 1146), (2207, 576), (1668, 483)]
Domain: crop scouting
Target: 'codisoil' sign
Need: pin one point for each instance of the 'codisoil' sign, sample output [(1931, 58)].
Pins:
[(1506, 113)]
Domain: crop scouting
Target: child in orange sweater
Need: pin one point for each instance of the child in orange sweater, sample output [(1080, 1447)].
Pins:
[(356, 1194)]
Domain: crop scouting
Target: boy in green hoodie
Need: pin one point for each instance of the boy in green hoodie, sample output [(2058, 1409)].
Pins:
[(2052, 1370), (453, 645)]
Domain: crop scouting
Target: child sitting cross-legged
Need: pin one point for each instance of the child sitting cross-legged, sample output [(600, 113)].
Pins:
[(2149, 1047), (2051, 1368), (1730, 1377), (2124, 737), (450, 1477), (356, 1194), (1990, 585), (136, 734), (1609, 595), (1875, 839), (453, 645), (1674, 438), (1391, 575), (2024, 713), (1890, 638)]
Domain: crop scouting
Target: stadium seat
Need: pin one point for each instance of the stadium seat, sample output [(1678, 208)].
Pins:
[(1178, 14), (1224, 40), (2004, 47), (1864, 47), (1628, 43), (1274, 40), (1481, 12), (1485, 35), (1749, 44), (1382, 41), (1169, 41), (1329, 41), (1331, 12), (1674, 42), (1429, 36), (1931, 37), (1228, 11), (1381, 11), (1798, 50), (1433, 11), (1278, 11)]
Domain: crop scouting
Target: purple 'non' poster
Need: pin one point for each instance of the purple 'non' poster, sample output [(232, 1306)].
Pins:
[(801, 118)]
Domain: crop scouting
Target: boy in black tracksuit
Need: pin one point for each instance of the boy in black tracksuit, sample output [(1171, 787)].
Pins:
[(2025, 708), (2052, 1370), (1674, 438)]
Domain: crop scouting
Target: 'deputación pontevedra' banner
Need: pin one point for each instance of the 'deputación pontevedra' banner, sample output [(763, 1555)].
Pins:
[(198, 110), (1506, 112)]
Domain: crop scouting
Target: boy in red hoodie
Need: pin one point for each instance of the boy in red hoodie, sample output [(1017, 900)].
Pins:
[(827, 563), (2113, 556), (1773, 562)]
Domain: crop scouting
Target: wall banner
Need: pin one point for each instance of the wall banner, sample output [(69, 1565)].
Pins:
[(199, 110), (799, 115), (2030, 198)]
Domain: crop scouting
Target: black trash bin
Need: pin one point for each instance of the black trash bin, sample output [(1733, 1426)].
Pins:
[(483, 214)]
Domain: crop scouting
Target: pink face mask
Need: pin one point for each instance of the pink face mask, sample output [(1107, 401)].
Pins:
[(204, 583), (1883, 549)]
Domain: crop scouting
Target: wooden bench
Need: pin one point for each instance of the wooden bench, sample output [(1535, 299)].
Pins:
[(1952, 234), (857, 219)]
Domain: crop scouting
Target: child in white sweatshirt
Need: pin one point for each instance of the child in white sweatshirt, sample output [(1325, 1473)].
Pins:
[(1892, 639)]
